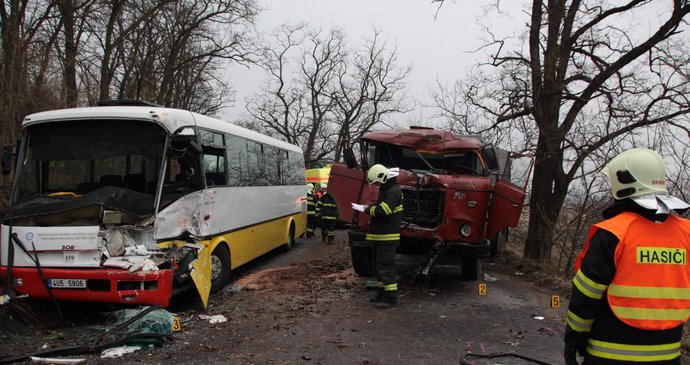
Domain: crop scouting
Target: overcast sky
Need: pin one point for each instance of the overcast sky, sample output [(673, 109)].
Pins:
[(437, 46)]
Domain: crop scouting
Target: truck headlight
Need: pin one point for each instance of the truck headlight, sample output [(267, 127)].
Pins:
[(465, 230)]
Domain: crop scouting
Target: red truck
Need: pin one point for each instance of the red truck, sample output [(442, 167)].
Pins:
[(458, 200)]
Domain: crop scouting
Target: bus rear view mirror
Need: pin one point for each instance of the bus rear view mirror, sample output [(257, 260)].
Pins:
[(181, 143), (350, 159), (6, 162)]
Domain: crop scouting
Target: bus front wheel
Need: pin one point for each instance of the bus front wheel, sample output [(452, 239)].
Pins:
[(220, 268)]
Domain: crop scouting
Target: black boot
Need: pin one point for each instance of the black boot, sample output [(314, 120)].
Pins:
[(330, 239), (378, 297), (389, 300)]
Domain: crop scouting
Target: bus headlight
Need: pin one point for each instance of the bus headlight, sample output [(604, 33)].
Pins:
[(465, 230)]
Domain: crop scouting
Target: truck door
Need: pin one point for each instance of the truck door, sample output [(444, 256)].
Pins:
[(346, 187), (507, 200)]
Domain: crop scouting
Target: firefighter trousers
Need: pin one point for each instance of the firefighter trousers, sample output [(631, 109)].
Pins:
[(385, 269), (311, 224), (328, 228)]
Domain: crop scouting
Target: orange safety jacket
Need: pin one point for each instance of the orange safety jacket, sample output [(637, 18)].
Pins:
[(651, 287)]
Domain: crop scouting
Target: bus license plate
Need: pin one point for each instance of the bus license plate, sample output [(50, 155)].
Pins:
[(67, 283)]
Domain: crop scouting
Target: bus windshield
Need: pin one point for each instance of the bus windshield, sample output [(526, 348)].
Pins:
[(79, 157)]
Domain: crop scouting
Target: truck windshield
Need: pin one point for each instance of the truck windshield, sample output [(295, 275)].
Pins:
[(77, 157), (452, 162)]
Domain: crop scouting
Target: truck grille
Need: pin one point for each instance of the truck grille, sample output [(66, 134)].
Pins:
[(423, 207)]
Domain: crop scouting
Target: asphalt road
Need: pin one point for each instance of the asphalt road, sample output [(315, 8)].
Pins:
[(308, 307)]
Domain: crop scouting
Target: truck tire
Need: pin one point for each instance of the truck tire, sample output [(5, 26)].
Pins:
[(363, 260), (471, 268), (498, 244)]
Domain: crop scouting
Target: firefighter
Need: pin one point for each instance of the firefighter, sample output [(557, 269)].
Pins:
[(327, 213), (384, 233), (631, 291), (311, 210)]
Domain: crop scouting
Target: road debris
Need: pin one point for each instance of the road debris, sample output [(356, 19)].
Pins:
[(119, 351), (218, 318)]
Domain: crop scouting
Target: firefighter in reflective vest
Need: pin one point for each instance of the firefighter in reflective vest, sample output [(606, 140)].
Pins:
[(327, 213), (631, 291), (384, 233), (311, 210)]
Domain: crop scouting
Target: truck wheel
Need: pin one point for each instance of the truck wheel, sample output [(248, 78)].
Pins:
[(471, 268), (498, 244), (220, 268), (363, 260)]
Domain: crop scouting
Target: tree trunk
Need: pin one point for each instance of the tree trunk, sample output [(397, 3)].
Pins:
[(548, 195), (70, 66)]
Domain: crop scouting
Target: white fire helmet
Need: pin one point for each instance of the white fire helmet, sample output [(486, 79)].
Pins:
[(636, 172), (377, 174)]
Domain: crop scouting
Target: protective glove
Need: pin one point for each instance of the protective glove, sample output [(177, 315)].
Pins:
[(570, 356)]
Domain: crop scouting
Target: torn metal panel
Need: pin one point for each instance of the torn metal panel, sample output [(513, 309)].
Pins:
[(179, 217), (201, 274), (425, 139)]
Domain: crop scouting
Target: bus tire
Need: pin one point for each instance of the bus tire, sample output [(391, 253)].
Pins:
[(290, 240), (363, 260), (220, 268), (471, 268)]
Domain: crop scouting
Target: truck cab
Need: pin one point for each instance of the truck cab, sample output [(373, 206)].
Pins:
[(458, 200)]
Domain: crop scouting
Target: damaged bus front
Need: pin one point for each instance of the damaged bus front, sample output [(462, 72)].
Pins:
[(457, 198), (116, 204)]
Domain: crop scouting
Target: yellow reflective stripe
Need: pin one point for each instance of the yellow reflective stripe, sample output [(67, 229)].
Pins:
[(383, 237), (372, 211), (386, 208), (649, 292), (328, 205), (639, 353), (374, 284), (651, 314), (311, 212), (588, 287), (579, 324), (328, 217), (398, 209), (390, 287)]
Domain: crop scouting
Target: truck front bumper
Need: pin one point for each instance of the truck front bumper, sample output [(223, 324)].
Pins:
[(478, 250)]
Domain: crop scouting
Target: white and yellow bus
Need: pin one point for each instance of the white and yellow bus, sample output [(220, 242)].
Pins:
[(129, 203)]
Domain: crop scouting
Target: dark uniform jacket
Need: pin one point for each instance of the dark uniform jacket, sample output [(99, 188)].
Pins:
[(312, 200), (326, 208), (597, 271), (386, 215)]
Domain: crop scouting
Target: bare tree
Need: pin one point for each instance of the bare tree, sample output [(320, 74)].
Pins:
[(23, 39), (587, 85), (73, 17), (178, 59), (373, 90), (332, 95)]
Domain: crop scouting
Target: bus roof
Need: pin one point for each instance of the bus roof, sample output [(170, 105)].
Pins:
[(168, 118), (425, 139)]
